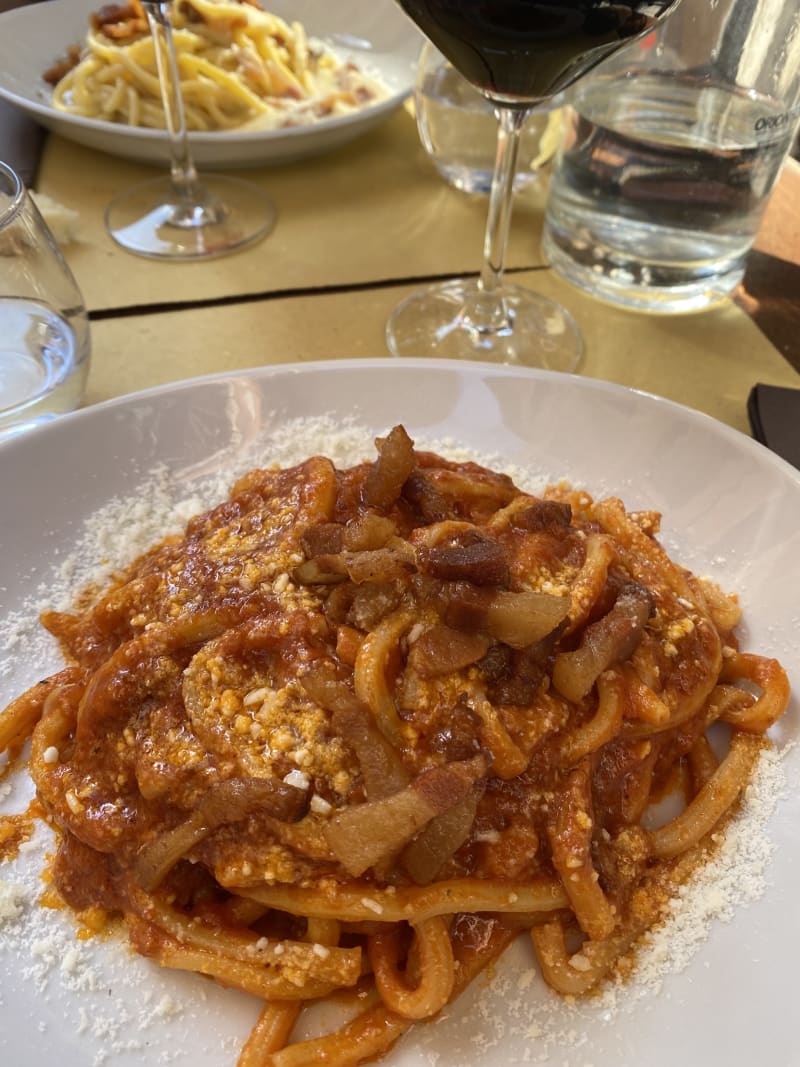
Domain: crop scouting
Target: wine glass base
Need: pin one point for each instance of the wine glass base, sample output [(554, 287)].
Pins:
[(532, 332), (152, 219)]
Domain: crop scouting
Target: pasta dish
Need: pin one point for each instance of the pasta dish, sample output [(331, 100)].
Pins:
[(240, 67), (356, 730)]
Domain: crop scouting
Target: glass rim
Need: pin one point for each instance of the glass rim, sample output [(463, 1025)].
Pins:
[(17, 194)]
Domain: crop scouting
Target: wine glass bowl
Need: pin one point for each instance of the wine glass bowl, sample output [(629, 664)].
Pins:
[(518, 53), (521, 51), (180, 216)]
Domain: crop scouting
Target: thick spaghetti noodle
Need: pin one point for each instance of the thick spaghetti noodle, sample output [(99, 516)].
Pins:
[(357, 729), (240, 66)]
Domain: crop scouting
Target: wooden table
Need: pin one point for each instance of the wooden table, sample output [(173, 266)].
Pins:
[(770, 291), (769, 294), (358, 229), (361, 227)]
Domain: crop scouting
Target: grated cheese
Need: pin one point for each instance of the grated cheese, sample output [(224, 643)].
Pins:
[(372, 905), (11, 901), (299, 779)]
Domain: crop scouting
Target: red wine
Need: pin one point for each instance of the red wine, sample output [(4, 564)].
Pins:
[(524, 50)]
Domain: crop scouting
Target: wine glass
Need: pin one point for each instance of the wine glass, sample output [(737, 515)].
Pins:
[(518, 53), (181, 217)]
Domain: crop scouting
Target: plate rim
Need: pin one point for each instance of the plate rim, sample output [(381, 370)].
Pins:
[(376, 363)]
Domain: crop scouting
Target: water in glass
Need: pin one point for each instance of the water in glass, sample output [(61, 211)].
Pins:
[(655, 205), (44, 328)]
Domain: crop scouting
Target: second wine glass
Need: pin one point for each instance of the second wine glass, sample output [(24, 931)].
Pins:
[(180, 216), (518, 53)]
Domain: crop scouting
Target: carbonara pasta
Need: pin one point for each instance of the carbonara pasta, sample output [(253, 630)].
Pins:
[(357, 729), (240, 67)]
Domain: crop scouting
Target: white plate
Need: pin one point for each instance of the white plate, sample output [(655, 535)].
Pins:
[(376, 35), (732, 510)]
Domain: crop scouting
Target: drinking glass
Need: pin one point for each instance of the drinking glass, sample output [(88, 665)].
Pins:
[(458, 129), (181, 217), (44, 328), (519, 54), (670, 156)]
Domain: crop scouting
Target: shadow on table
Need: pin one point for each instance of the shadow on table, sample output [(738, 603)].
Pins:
[(769, 293)]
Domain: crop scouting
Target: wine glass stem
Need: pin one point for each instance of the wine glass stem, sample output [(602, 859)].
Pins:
[(510, 122), (182, 168)]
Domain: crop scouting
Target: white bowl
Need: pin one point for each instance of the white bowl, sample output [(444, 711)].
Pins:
[(376, 35), (731, 511)]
